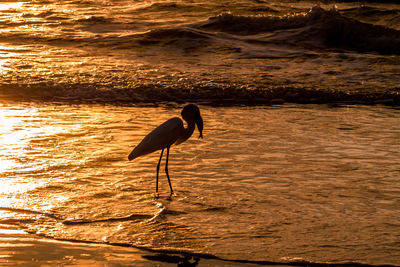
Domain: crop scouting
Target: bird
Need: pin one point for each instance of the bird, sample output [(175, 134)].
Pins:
[(172, 132)]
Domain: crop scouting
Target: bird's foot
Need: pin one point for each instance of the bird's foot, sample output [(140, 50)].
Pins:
[(170, 196), (156, 196)]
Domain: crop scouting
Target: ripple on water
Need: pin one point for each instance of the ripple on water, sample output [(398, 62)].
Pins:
[(263, 184)]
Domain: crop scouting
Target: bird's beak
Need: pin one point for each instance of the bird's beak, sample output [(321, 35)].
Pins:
[(199, 122)]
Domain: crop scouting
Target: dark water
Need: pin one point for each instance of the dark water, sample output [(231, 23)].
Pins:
[(209, 51)]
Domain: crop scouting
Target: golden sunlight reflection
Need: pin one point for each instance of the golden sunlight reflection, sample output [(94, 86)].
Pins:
[(13, 186), (10, 6), (10, 137), (12, 129), (6, 56), (6, 164), (19, 126), (12, 192), (6, 229)]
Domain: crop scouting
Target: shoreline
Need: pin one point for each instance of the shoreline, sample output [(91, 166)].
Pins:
[(20, 248)]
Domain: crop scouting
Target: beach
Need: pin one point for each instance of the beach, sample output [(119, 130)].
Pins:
[(299, 160), (19, 248)]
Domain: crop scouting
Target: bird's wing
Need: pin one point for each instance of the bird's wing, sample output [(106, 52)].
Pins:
[(161, 137)]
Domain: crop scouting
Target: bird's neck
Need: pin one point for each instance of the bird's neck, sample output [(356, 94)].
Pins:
[(187, 132)]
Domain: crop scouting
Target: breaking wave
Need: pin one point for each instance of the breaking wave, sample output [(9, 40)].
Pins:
[(304, 35), (202, 93), (320, 28), (316, 29)]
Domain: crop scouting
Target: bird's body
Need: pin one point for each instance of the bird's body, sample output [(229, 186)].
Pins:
[(161, 137), (171, 132)]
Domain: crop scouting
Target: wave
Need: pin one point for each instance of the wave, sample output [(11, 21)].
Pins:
[(270, 36), (288, 36), (131, 217), (94, 20), (387, 17), (193, 91), (319, 28), (170, 6), (182, 37), (25, 211), (225, 37), (371, 11)]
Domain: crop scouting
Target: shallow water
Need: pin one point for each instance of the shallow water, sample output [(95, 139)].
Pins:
[(280, 183), (317, 183)]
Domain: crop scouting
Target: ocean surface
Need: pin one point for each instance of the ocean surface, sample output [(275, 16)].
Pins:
[(220, 52), (300, 161)]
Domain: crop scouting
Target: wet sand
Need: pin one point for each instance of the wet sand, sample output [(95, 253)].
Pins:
[(20, 248)]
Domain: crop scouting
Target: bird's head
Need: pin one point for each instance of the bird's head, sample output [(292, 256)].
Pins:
[(192, 112)]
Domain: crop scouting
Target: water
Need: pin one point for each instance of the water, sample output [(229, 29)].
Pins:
[(313, 177), (218, 52), (284, 183)]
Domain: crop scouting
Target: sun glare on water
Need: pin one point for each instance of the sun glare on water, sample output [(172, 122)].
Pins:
[(15, 137), (10, 5), (11, 137)]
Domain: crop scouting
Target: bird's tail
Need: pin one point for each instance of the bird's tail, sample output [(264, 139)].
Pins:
[(131, 155), (138, 151)]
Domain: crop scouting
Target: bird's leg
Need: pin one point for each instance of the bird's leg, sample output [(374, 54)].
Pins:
[(166, 171), (158, 169)]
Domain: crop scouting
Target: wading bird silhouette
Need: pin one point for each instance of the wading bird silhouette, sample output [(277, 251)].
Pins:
[(171, 132)]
